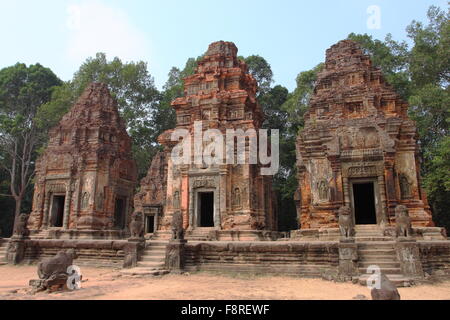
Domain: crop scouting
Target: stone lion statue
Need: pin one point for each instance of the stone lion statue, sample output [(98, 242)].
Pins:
[(137, 225), (346, 222), (52, 271), (52, 267), (177, 226), (403, 221), (20, 229), (387, 291)]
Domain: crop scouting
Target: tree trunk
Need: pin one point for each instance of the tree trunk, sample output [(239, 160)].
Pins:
[(17, 211)]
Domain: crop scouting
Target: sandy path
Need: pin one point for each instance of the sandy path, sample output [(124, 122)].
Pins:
[(109, 284)]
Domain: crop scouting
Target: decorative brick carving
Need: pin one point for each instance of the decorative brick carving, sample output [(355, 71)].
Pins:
[(357, 127)]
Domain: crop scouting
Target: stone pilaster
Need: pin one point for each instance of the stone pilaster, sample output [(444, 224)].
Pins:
[(348, 259), (15, 253), (67, 203), (133, 250), (408, 255), (175, 256)]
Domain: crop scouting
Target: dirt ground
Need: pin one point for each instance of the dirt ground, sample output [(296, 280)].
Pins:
[(102, 284)]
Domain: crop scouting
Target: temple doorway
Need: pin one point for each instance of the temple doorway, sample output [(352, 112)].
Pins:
[(149, 224), (364, 203), (119, 213), (206, 209), (57, 216)]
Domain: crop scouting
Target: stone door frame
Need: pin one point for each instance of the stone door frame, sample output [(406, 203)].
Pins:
[(50, 214), (376, 195), (371, 171), (196, 218), (153, 211)]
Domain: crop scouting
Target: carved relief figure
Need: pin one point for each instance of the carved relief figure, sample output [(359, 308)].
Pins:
[(85, 200), (237, 197), (405, 187), (176, 200), (100, 199), (323, 190)]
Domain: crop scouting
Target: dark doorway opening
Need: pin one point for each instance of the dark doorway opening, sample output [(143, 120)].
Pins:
[(119, 213), (149, 224), (206, 209), (364, 201), (57, 211)]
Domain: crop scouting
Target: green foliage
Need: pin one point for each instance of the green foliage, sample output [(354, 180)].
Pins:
[(430, 107), (260, 69), (430, 58), (437, 182), (298, 101), (22, 91)]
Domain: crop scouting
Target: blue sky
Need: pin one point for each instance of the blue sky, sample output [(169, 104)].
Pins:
[(291, 35)]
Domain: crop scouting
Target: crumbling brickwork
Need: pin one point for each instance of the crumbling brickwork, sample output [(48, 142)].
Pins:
[(151, 198), (221, 95), (357, 132), (86, 176)]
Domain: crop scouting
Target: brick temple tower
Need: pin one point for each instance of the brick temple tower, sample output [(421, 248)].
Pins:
[(358, 148), (85, 179), (220, 95)]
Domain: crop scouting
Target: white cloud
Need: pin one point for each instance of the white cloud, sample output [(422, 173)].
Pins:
[(95, 27)]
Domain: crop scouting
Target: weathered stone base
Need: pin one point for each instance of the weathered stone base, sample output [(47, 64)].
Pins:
[(331, 260), (58, 233), (333, 234), (250, 235), (56, 283), (102, 253), (281, 258), (224, 235), (415, 260), (435, 257)]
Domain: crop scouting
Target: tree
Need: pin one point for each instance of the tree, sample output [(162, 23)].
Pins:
[(22, 91), (298, 101), (430, 106), (260, 69)]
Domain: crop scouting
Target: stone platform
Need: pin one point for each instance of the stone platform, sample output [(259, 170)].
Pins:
[(367, 233), (405, 261)]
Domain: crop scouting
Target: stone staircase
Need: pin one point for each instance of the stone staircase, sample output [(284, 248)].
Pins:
[(3, 246), (370, 232), (42, 234), (199, 234), (383, 255), (161, 235), (152, 261)]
